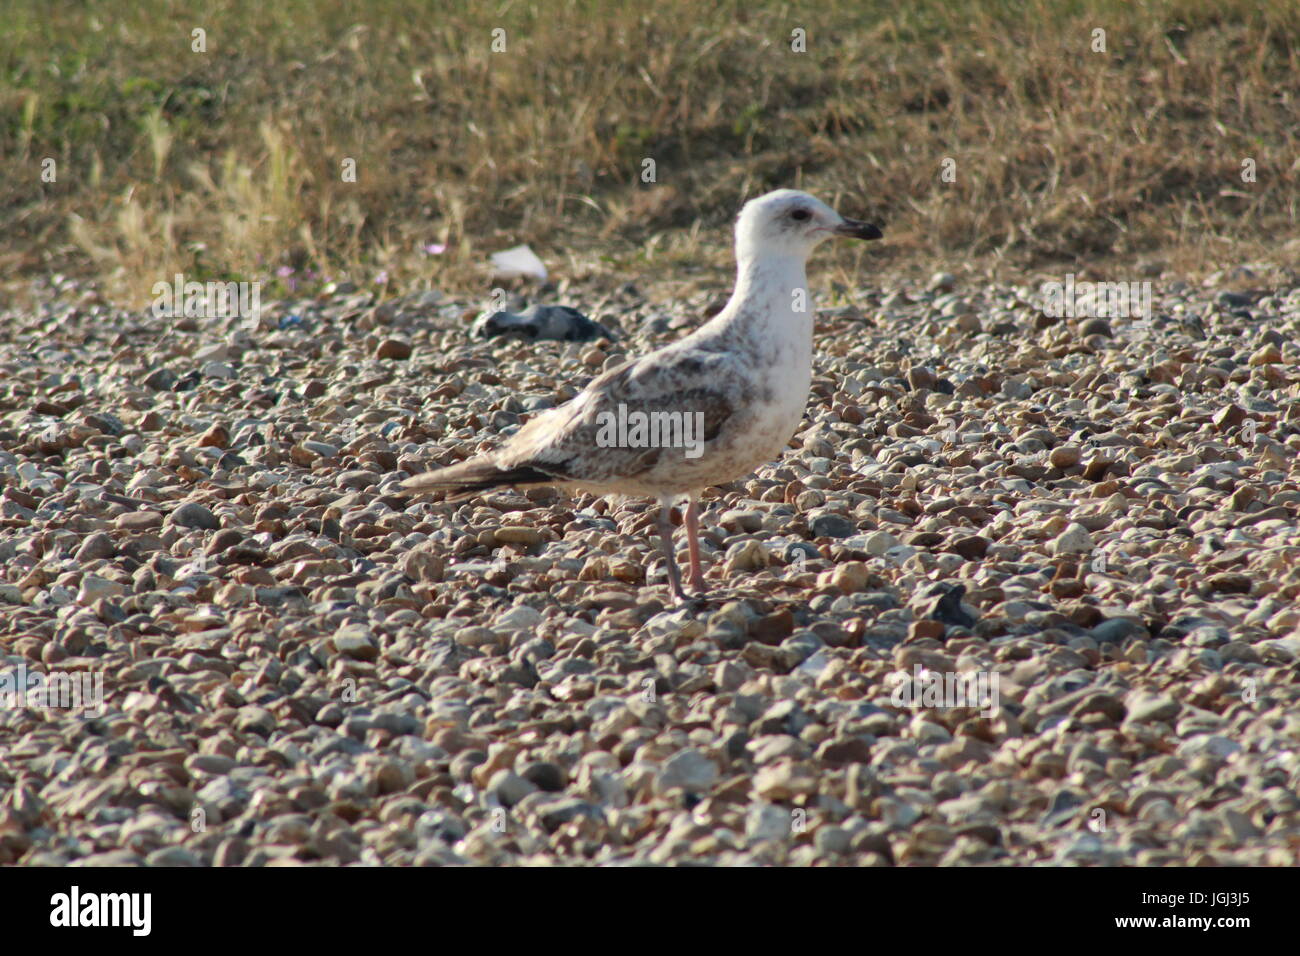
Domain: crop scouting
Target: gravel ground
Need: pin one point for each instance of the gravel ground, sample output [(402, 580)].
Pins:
[(300, 666)]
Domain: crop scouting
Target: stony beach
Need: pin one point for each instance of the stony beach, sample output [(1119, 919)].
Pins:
[(301, 666)]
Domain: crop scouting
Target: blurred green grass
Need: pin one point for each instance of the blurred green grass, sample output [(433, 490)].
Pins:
[(227, 163)]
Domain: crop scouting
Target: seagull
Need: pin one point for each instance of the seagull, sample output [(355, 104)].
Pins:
[(735, 390)]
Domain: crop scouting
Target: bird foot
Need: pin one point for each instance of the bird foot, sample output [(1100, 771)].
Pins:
[(698, 598)]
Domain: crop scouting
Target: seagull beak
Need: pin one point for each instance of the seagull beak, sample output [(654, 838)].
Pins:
[(857, 230)]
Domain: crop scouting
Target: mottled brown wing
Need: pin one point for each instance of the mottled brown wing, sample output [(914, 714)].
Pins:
[(564, 441)]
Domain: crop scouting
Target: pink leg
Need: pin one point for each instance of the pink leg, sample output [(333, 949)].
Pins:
[(666, 541), (693, 544)]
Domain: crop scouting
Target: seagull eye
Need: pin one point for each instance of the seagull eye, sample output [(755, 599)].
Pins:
[(799, 215)]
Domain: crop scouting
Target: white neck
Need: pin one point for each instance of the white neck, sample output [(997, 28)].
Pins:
[(761, 274), (765, 307)]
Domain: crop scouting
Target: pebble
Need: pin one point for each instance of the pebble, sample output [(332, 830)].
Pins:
[(518, 534), (832, 526), (688, 769), (850, 577), (139, 521), (746, 556), (356, 641), (1145, 707), (1065, 456), (509, 789), (1102, 517), (96, 547), (93, 587), (1075, 539), (397, 349), (194, 515)]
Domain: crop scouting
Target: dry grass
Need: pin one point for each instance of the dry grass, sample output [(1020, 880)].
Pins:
[(227, 164)]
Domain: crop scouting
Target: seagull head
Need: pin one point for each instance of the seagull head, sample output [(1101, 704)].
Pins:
[(791, 223)]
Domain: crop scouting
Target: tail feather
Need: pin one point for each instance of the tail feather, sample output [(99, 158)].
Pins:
[(471, 477)]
